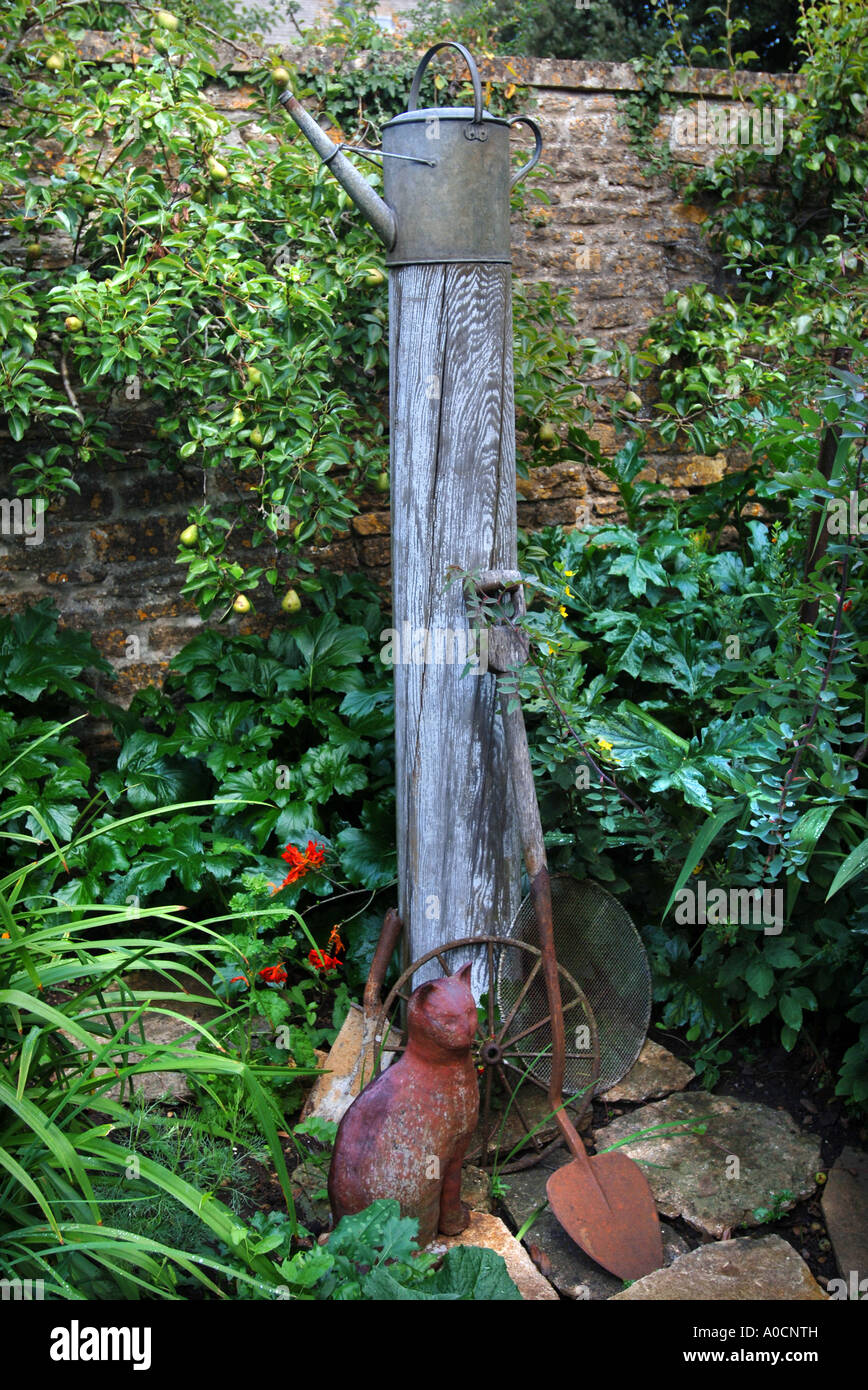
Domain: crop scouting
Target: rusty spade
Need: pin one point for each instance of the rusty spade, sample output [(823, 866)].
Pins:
[(603, 1202)]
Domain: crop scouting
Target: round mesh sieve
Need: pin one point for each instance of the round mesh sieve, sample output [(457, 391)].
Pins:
[(597, 943), (524, 1021)]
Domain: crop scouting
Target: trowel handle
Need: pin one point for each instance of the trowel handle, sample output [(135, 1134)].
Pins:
[(392, 927), (537, 149), (474, 77)]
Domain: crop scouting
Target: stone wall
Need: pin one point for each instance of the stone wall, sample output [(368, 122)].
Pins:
[(614, 235)]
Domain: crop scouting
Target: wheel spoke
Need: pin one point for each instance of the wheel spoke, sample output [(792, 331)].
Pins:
[(486, 1116), (526, 1075), (532, 1029), (529, 1058), (517, 1005), (513, 1095), (443, 966)]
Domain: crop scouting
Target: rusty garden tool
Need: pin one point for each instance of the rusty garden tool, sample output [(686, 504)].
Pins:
[(388, 940), (604, 1203)]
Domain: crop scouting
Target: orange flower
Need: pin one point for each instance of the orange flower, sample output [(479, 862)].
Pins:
[(301, 864), (273, 975), (321, 961)]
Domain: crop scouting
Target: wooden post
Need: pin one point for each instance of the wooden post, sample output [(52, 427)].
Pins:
[(453, 504), (445, 224)]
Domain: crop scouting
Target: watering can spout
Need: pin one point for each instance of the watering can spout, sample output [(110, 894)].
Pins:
[(370, 204)]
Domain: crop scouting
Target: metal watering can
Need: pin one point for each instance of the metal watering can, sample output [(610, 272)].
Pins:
[(446, 177)]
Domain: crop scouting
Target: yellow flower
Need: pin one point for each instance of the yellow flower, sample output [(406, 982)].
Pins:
[(569, 595), (562, 611), (569, 573), (551, 649), (605, 745)]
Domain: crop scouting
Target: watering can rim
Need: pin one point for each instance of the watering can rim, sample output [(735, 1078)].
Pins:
[(444, 113)]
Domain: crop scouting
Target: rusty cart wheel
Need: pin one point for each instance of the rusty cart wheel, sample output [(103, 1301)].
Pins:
[(513, 1042)]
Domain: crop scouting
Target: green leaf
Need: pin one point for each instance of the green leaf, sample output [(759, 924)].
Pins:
[(809, 827), (790, 1011), (469, 1272), (789, 1037), (380, 1285), (701, 842), (760, 977), (855, 864), (364, 859), (779, 955), (638, 573)]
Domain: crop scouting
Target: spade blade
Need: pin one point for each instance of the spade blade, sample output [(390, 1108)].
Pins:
[(606, 1206)]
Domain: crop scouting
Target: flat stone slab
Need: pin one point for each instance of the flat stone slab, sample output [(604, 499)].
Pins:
[(161, 1030), (573, 1273), (746, 1159), (490, 1233), (350, 1064), (845, 1211), (747, 1269), (655, 1073)]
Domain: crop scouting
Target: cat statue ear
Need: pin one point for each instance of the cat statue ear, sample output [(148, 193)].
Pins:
[(465, 972)]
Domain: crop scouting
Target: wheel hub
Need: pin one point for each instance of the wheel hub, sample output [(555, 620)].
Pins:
[(490, 1052)]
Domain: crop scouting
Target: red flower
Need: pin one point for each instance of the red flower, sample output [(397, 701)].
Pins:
[(845, 607), (312, 858), (273, 975), (315, 854), (320, 961)]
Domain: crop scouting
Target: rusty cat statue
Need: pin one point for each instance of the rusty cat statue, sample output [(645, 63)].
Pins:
[(405, 1136)]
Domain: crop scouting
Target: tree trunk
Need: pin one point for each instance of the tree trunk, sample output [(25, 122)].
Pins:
[(453, 504)]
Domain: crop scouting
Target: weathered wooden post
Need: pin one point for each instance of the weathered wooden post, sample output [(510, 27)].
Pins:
[(445, 224)]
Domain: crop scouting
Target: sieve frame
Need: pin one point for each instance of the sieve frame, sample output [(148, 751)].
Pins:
[(524, 926)]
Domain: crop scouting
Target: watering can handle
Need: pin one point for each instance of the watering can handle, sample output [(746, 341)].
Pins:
[(474, 75), (537, 151)]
